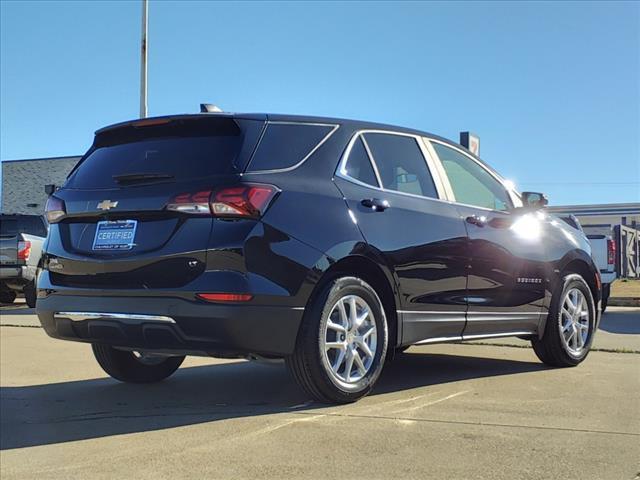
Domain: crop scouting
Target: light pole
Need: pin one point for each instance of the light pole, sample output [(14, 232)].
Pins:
[(143, 61)]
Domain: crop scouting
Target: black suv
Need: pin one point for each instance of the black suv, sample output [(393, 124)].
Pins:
[(330, 243)]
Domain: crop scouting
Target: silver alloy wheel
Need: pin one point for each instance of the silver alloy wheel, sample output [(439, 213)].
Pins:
[(348, 340), (574, 321)]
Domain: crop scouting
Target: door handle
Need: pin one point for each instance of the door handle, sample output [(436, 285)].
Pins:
[(375, 204), (477, 220)]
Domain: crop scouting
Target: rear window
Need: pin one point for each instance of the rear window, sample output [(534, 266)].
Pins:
[(287, 144), (31, 224), (180, 150), (8, 227)]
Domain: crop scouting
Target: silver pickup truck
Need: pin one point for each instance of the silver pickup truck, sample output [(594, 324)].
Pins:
[(21, 241)]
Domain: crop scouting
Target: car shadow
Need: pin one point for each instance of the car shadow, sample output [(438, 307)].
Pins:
[(77, 410), (16, 309), (624, 322)]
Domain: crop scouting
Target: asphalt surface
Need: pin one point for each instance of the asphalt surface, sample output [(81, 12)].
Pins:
[(443, 411)]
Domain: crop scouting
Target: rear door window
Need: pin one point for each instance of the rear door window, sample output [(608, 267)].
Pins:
[(401, 164), (284, 145), (182, 149)]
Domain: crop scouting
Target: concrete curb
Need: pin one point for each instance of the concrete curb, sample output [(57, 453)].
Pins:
[(624, 302)]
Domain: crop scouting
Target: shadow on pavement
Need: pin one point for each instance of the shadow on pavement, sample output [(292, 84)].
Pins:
[(625, 322), (16, 309), (62, 412)]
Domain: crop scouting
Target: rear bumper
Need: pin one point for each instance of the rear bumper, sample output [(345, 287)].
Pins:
[(18, 274), (171, 324), (607, 277)]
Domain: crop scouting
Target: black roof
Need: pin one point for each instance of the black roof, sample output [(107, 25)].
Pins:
[(280, 117)]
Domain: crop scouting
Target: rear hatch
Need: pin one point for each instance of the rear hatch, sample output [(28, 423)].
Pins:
[(117, 231)]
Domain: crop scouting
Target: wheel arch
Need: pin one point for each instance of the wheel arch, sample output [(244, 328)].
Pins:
[(577, 264), (587, 271), (376, 275)]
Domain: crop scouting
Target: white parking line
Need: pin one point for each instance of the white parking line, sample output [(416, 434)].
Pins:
[(273, 428), (427, 404)]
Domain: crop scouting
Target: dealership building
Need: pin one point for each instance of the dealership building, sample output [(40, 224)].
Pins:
[(601, 219), (23, 182)]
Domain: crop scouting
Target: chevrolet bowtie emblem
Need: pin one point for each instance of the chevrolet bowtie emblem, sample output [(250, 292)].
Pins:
[(107, 205)]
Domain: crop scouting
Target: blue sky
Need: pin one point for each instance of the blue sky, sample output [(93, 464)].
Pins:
[(553, 89)]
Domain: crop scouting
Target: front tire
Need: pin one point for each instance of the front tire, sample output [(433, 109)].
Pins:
[(342, 342), (568, 334), (133, 367)]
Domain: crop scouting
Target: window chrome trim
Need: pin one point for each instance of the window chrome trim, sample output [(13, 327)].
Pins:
[(372, 162), (446, 185), (490, 171), (123, 317), (435, 175), (307, 156)]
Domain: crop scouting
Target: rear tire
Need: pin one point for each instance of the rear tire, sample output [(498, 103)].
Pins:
[(568, 334), (344, 328), (128, 367), (7, 296)]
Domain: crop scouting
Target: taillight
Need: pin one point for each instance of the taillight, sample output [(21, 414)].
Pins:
[(249, 201), (24, 250), (242, 201), (55, 209), (611, 252), (195, 203)]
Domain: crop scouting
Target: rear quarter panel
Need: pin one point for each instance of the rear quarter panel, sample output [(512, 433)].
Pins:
[(309, 211)]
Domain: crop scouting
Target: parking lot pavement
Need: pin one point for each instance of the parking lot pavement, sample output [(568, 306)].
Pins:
[(443, 411)]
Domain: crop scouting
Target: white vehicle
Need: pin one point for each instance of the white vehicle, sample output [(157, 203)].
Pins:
[(603, 251)]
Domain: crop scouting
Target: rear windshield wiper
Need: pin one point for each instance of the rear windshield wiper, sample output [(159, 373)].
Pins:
[(141, 177)]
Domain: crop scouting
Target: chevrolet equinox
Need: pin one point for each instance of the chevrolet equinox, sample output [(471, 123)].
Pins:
[(331, 244)]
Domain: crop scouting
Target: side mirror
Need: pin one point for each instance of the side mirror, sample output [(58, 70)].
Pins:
[(50, 189), (535, 200)]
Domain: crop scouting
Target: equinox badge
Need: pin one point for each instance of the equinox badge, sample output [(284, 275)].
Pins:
[(107, 205)]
